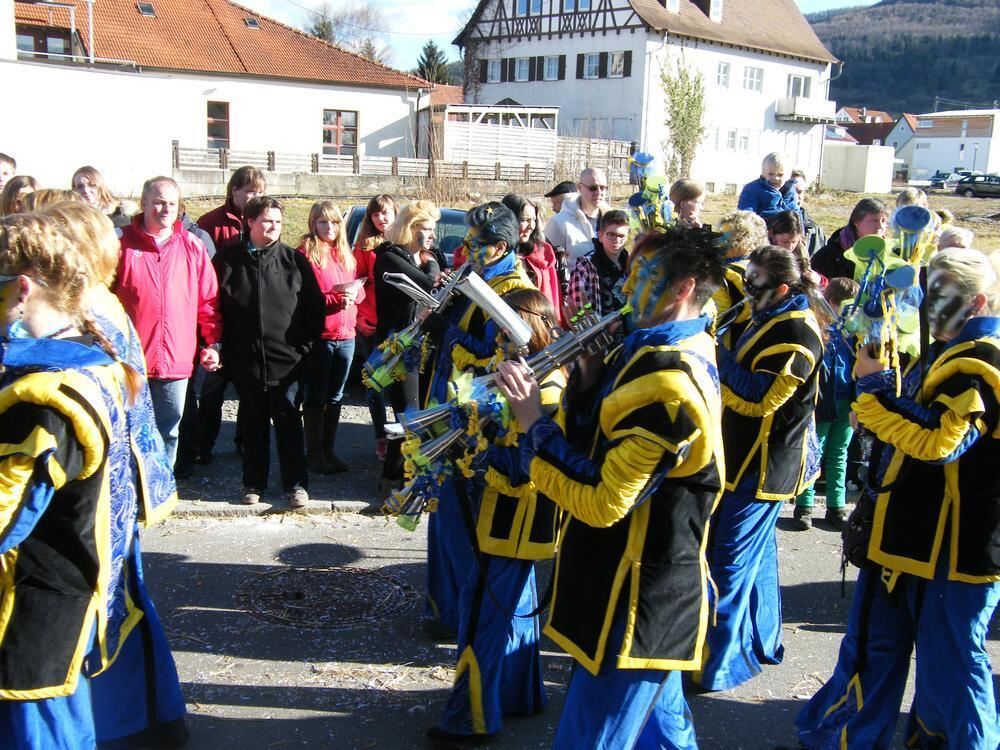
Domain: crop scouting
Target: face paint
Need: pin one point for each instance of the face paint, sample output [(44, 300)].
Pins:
[(480, 252), (758, 288), (647, 288), (947, 307)]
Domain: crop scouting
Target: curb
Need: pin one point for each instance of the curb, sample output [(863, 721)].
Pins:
[(216, 509)]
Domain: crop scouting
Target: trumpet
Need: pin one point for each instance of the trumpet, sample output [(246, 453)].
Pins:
[(408, 503), (914, 229), (386, 364), (589, 334), (724, 321)]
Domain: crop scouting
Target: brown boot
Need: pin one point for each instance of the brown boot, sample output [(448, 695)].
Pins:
[(331, 420), (312, 417)]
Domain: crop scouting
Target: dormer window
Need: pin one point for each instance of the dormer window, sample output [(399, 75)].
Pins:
[(673, 6), (252, 23), (146, 9)]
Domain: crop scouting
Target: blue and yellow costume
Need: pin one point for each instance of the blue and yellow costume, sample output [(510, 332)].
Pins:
[(731, 293), (769, 390), (639, 482), (468, 340), (67, 513), (935, 575), (499, 669)]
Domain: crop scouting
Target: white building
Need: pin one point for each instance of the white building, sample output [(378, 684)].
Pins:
[(766, 74), (901, 139), (962, 139), (116, 89)]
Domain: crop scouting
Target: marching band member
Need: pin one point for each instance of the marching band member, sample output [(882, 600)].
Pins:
[(466, 338), (932, 509), (742, 233), (639, 469), (770, 386), (499, 668)]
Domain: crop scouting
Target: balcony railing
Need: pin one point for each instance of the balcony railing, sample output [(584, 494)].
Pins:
[(805, 110)]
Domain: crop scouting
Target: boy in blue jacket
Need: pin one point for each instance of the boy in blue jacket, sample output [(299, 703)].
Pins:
[(770, 194)]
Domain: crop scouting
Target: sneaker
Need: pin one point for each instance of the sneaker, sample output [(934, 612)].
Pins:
[(251, 496), (837, 517), (298, 497), (802, 518), (183, 470)]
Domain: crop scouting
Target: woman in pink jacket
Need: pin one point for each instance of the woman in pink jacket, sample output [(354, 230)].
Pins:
[(326, 248), (536, 254)]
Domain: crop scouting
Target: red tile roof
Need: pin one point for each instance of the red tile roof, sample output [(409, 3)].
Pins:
[(866, 133), (911, 120), (211, 36), (871, 115)]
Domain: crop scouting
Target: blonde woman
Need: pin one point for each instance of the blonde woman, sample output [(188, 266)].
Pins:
[(325, 247), (89, 184)]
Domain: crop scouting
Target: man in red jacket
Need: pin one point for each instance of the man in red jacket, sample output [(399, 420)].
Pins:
[(168, 286)]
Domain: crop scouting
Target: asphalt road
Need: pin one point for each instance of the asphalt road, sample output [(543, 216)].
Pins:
[(296, 630)]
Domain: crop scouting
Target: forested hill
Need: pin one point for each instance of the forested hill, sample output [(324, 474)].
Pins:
[(899, 54)]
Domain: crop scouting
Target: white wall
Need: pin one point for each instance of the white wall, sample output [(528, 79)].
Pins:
[(616, 103), (945, 154), (123, 123), (859, 169), (8, 35), (750, 113)]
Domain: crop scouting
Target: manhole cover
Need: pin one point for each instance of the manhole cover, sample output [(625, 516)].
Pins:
[(327, 598)]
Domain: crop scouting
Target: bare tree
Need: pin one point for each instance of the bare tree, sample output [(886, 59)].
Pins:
[(358, 26)]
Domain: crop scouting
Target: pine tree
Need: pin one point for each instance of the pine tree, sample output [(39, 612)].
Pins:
[(432, 65)]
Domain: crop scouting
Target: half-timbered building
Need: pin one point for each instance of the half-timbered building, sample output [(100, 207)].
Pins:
[(766, 75)]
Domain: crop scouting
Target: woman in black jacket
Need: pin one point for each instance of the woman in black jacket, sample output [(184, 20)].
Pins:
[(869, 216), (409, 250), (273, 313)]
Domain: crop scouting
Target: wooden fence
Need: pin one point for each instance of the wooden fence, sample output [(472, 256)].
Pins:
[(571, 158)]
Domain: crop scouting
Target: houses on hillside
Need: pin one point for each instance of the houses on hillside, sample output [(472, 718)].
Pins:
[(114, 83), (766, 74), (965, 139)]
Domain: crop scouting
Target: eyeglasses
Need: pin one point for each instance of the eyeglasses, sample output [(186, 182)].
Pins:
[(597, 188)]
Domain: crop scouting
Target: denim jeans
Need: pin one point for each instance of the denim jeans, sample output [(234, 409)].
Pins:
[(259, 408), (168, 407), (326, 372)]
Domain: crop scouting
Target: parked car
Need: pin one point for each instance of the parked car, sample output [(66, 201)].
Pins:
[(952, 180), (450, 230), (979, 186), (938, 180)]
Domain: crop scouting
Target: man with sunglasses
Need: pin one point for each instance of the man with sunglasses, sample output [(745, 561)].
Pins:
[(574, 228)]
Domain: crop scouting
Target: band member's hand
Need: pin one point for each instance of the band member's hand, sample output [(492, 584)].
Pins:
[(867, 362), (521, 392), (442, 278), (210, 359)]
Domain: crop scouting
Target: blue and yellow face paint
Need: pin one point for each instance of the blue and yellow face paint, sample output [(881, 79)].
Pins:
[(480, 251), (647, 287)]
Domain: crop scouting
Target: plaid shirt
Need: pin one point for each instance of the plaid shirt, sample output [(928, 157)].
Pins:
[(585, 285)]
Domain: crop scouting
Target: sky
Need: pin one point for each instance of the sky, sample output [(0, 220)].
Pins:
[(413, 23)]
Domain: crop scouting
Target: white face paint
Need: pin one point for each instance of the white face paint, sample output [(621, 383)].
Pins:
[(758, 287), (947, 307)]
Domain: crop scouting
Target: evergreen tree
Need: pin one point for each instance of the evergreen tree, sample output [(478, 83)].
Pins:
[(432, 65)]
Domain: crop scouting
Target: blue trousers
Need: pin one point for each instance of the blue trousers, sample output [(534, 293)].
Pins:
[(449, 557), (50, 724), (622, 709), (499, 663), (168, 406), (954, 704), (327, 368), (141, 688), (743, 560)]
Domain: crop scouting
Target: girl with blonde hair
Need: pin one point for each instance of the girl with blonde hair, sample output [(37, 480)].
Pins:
[(325, 246), (89, 184)]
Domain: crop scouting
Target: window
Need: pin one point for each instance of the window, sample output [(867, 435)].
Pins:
[(252, 23), (722, 76), (146, 9), (925, 123), (551, 70), (592, 65), (218, 125), (493, 71), (616, 66), (709, 187), (743, 141), (731, 140), (753, 79), (673, 6), (526, 7), (798, 85), (43, 42), (922, 146), (340, 132), (571, 6), (521, 68)]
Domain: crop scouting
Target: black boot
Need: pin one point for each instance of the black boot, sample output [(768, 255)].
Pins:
[(313, 423), (331, 420)]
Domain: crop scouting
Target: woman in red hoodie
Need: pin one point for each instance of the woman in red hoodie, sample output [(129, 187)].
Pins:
[(326, 248), (536, 254), (379, 214)]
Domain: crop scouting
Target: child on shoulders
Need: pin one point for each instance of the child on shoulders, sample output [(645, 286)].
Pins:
[(770, 194)]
